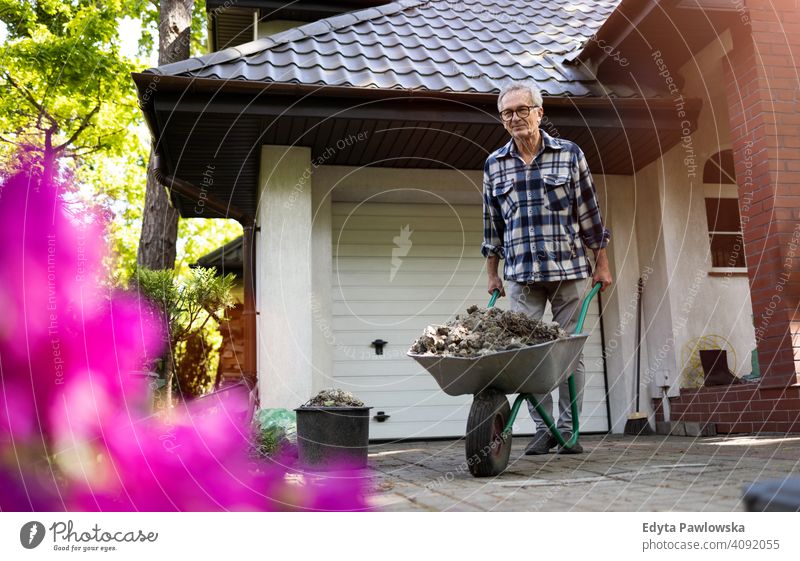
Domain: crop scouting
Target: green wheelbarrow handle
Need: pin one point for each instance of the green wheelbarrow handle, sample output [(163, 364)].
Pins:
[(570, 381)]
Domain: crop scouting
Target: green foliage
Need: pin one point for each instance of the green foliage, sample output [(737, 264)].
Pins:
[(65, 84), (68, 107), (198, 236), (187, 304), (192, 308), (277, 428), (65, 91), (199, 359)]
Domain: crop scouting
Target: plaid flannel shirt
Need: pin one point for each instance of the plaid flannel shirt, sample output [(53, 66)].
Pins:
[(541, 217)]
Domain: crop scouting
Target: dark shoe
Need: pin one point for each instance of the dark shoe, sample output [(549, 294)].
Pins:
[(542, 442), (576, 448)]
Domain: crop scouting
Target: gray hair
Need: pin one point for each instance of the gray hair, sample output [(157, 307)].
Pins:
[(525, 85)]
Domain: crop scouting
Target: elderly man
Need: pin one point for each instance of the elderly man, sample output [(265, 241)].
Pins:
[(540, 212)]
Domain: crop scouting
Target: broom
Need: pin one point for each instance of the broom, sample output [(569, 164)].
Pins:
[(637, 423)]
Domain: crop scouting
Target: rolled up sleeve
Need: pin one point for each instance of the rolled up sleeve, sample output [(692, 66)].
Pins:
[(493, 224), (592, 231)]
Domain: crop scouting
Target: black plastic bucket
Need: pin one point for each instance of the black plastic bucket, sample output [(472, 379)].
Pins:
[(333, 436)]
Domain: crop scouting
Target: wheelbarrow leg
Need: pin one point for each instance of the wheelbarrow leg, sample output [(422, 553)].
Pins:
[(521, 398), (549, 420), (488, 445)]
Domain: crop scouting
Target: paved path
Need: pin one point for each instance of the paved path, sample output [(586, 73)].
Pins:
[(615, 473)]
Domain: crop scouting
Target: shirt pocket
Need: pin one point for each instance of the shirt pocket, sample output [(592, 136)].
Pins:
[(556, 192), (507, 197)]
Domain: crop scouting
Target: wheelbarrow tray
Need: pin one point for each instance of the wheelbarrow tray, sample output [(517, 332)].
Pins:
[(537, 369)]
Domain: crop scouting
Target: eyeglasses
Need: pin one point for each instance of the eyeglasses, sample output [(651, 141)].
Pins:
[(522, 112)]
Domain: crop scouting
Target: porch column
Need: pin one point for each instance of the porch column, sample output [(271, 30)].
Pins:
[(283, 284), (764, 112)]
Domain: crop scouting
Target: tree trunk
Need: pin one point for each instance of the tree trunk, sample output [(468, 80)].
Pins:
[(160, 221), (157, 243)]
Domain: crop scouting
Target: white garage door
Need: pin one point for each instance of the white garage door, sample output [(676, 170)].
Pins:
[(396, 269)]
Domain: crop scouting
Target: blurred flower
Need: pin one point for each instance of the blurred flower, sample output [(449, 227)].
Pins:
[(74, 428)]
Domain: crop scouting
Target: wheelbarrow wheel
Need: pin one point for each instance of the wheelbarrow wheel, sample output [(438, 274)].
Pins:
[(486, 447)]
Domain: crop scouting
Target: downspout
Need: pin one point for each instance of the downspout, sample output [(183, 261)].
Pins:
[(249, 314), (182, 187)]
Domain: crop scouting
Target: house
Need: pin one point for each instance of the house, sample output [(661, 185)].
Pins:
[(349, 141)]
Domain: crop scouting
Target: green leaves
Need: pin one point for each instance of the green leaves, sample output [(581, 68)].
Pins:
[(66, 91), (65, 87), (187, 304)]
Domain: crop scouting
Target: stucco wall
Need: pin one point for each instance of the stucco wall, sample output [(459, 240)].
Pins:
[(672, 230)]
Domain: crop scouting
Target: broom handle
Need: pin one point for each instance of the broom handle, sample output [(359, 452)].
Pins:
[(638, 342)]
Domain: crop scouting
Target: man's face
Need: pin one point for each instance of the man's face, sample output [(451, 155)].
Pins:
[(519, 128)]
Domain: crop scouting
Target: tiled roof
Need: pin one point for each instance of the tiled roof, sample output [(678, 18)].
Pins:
[(441, 45)]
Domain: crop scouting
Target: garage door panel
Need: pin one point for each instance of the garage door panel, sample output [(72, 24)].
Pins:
[(456, 410), (435, 251), (416, 238), (441, 307), (373, 283), (344, 323), (384, 383), (403, 429), (410, 212), (368, 367), (379, 263), (439, 276), (367, 223), (398, 400), (459, 296)]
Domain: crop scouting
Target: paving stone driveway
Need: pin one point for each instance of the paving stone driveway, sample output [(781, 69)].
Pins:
[(616, 473)]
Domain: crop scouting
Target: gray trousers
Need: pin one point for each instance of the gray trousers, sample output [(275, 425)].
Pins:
[(565, 299)]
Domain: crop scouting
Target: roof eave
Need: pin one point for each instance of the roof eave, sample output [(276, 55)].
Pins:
[(617, 26), (185, 84)]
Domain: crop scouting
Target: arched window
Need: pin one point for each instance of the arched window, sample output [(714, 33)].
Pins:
[(719, 168)]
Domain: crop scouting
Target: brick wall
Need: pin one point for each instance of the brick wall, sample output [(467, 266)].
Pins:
[(739, 408), (763, 91)]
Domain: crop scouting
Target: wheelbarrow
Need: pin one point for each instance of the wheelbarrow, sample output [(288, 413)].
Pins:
[(537, 369)]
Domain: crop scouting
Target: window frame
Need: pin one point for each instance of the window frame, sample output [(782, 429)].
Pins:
[(722, 191)]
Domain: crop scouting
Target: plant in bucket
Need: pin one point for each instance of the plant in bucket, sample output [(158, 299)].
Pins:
[(333, 431)]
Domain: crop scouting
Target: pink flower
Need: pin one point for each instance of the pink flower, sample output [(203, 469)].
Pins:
[(68, 352)]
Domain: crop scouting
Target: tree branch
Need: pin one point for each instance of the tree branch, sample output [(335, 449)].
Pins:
[(81, 152), (2, 139), (96, 147), (81, 128), (32, 100)]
